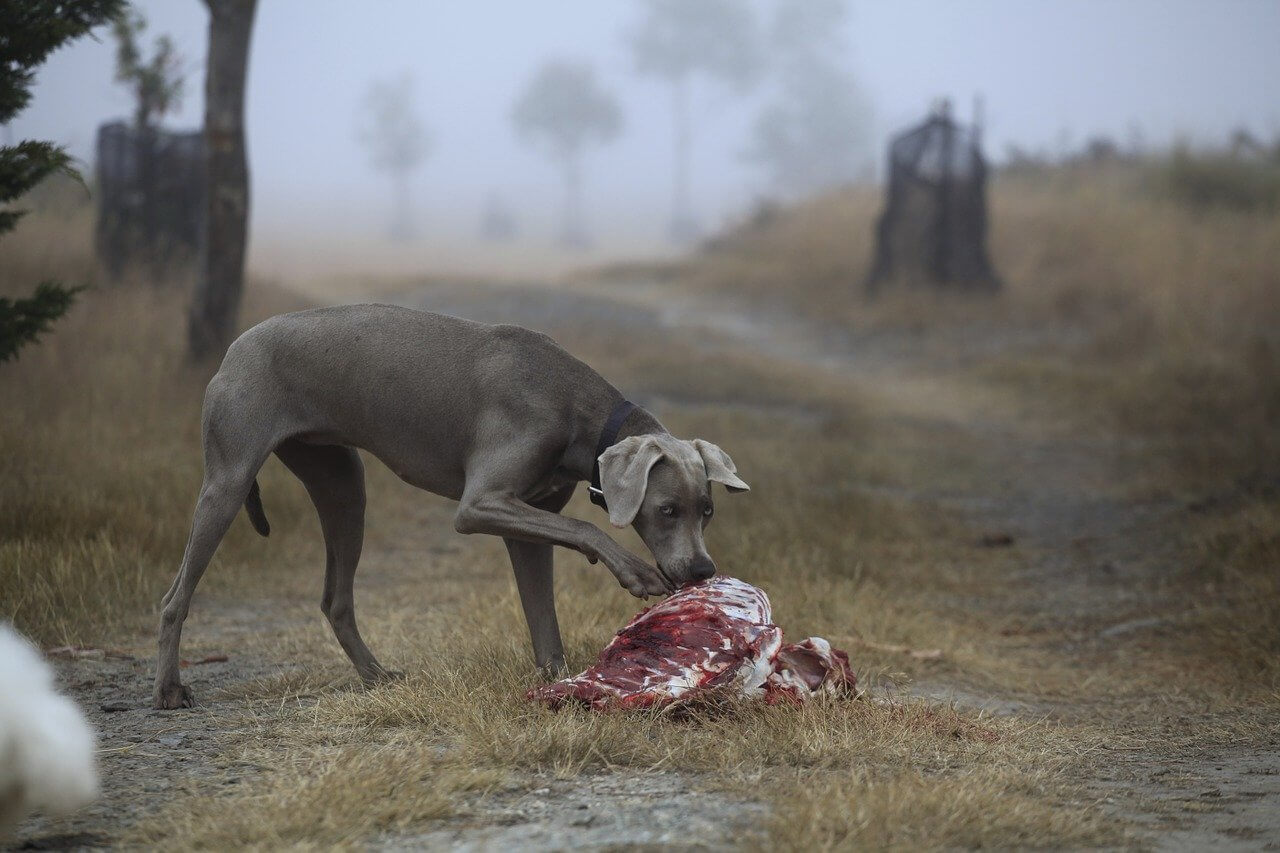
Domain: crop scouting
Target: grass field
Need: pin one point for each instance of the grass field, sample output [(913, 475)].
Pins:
[(1117, 406)]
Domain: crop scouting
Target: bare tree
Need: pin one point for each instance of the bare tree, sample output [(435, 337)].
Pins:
[(679, 39), (216, 300), (562, 110), (811, 29), (397, 142), (132, 225), (815, 132), (157, 84)]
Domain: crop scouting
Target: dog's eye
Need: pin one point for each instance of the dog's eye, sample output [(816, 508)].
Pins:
[(707, 510), (667, 510)]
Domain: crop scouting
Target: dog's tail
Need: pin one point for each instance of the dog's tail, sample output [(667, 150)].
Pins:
[(253, 506)]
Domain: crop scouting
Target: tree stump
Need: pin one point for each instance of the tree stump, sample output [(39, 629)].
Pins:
[(150, 193), (933, 230)]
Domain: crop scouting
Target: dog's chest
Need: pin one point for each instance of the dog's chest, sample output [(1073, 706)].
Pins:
[(558, 480)]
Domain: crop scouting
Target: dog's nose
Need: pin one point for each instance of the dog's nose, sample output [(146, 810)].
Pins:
[(701, 568)]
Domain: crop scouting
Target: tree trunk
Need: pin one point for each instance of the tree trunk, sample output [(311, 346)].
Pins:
[(216, 302), (402, 227), (574, 235), (682, 228)]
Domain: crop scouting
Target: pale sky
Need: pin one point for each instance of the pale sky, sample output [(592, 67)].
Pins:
[(1050, 71)]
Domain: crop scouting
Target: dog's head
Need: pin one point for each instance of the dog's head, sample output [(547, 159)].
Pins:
[(662, 486)]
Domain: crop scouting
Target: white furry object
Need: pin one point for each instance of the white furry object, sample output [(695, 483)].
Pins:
[(46, 745)]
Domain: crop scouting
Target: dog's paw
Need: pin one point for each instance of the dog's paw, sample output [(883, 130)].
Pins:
[(382, 677), (555, 670), (173, 696)]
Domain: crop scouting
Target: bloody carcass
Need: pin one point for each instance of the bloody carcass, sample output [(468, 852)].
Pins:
[(715, 635)]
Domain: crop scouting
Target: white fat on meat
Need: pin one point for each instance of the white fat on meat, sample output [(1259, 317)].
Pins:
[(715, 635)]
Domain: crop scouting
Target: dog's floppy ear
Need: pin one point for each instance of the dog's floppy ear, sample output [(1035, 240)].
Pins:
[(624, 476), (720, 468)]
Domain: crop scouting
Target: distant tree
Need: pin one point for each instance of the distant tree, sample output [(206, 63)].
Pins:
[(157, 84), (497, 222), (679, 39), (815, 132), (32, 30), (561, 111), (1244, 144), (1023, 161), (810, 29), (397, 142), (216, 303), (1100, 149), (132, 224)]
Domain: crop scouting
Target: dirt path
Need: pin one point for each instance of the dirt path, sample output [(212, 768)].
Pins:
[(1085, 544), (145, 756)]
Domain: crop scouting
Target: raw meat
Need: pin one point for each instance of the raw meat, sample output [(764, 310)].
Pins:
[(711, 635)]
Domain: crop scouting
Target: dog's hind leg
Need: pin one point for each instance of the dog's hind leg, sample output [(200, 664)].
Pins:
[(223, 492), (334, 478), (535, 579)]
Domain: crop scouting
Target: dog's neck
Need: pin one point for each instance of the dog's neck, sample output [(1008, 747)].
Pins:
[(639, 422)]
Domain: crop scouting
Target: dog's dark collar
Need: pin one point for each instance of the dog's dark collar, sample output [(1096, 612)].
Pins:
[(608, 437)]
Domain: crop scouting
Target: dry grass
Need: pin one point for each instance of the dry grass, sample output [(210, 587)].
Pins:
[(100, 465), (459, 722), (1123, 316), (1178, 313), (836, 562), (321, 798), (1235, 589), (1161, 318), (847, 536), (982, 807)]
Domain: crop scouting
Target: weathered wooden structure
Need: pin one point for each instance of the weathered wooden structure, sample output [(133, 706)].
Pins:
[(150, 192), (933, 230)]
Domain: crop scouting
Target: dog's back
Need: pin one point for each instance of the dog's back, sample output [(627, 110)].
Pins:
[(413, 387)]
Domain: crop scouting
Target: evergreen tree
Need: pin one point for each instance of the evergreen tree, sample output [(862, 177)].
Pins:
[(32, 30)]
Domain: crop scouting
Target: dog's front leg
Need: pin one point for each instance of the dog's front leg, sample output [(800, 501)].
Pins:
[(535, 573), (508, 516)]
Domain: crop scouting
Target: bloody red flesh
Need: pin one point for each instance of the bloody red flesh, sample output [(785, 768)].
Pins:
[(715, 634)]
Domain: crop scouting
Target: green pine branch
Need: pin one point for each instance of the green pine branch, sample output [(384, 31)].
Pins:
[(32, 30), (26, 164), (23, 321)]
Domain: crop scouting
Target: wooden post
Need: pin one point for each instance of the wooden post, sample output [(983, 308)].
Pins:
[(220, 281)]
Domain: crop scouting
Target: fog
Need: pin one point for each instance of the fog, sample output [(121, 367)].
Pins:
[(1052, 74)]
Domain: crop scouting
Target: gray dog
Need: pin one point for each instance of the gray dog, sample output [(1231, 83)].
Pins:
[(498, 418)]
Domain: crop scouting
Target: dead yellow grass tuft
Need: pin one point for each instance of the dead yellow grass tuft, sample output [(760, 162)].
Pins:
[(321, 798), (101, 464), (979, 808)]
